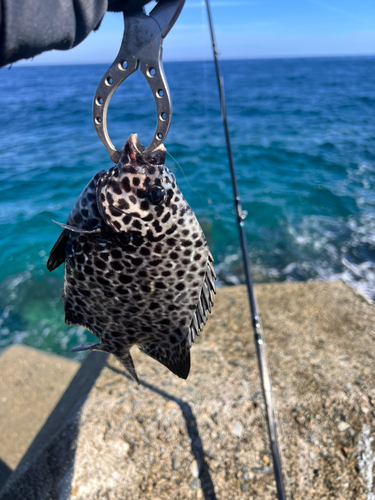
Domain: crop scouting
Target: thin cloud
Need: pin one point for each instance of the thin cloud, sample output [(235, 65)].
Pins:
[(339, 11)]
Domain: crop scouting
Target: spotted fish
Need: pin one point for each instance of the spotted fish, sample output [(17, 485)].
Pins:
[(138, 270)]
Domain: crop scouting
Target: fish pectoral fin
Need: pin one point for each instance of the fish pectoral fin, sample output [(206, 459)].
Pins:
[(176, 357), (57, 254), (77, 229), (88, 347), (127, 362)]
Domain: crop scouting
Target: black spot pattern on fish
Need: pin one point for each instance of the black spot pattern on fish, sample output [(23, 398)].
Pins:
[(136, 273)]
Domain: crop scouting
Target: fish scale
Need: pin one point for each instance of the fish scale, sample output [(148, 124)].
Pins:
[(138, 270)]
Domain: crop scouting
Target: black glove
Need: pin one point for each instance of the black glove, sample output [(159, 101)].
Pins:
[(128, 6), (30, 27)]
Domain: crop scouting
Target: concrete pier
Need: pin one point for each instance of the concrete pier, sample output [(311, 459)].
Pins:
[(31, 384), (206, 437)]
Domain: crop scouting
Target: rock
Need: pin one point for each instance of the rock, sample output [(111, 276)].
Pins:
[(244, 487), (237, 430), (343, 426), (175, 463), (194, 469), (195, 484), (118, 447), (247, 476), (262, 470)]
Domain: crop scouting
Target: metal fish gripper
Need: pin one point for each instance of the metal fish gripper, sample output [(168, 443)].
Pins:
[(141, 48)]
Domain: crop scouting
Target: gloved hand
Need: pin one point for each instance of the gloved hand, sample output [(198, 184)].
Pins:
[(128, 6), (30, 27)]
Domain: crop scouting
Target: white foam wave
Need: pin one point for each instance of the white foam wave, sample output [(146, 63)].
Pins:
[(31, 312), (315, 247)]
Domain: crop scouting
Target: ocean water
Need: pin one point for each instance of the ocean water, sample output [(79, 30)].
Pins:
[(303, 134)]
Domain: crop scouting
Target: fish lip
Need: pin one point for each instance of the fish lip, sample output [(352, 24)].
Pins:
[(133, 153), (135, 143)]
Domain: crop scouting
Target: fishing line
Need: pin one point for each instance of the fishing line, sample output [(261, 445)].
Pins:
[(186, 179), (258, 337), (183, 173)]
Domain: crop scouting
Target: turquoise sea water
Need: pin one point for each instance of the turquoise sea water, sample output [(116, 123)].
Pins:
[(303, 133)]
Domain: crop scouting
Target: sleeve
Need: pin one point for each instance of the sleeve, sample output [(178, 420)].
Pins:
[(30, 27)]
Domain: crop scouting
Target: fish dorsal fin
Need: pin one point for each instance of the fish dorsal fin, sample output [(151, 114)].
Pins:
[(57, 254), (205, 301), (176, 357)]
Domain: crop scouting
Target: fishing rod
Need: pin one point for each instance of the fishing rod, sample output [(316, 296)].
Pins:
[(258, 337)]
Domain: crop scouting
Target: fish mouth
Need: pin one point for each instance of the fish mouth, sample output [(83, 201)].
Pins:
[(135, 143), (134, 153)]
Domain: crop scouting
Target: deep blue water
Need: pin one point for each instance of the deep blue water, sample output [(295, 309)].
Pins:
[(303, 133)]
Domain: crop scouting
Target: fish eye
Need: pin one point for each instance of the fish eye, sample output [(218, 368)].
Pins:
[(155, 194)]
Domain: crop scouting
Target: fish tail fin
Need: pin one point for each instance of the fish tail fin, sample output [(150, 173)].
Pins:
[(176, 357), (127, 361)]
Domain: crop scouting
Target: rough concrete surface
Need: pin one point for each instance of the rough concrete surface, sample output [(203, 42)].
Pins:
[(206, 437), (31, 384)]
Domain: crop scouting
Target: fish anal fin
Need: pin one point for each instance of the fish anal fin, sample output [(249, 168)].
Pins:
[(127, 361), (181, 368), (176, 357), (57, 254)]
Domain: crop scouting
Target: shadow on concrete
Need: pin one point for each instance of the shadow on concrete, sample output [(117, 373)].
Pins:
[(192, 429), (5, 472), (45, 472)]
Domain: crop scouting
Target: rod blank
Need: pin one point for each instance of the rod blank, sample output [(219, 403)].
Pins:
[(258, 337)]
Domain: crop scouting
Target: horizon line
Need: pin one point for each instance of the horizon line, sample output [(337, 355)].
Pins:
[(27, 63)]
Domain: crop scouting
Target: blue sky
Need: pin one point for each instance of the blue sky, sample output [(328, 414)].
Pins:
[(245, 29)]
